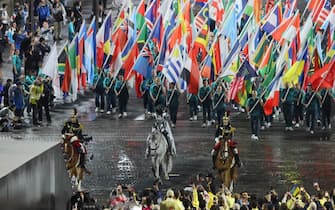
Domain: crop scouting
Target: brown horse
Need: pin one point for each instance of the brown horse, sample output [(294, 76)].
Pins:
[(72, 165), (225, 164)]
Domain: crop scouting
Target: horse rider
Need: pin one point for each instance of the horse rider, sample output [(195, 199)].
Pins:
[(73, 127), (224, 134), (162, 125)]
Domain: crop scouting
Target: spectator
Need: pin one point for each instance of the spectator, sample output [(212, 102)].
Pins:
[(43, 11), (19, 37), (1, 91), (6, 92), (41, 48), (170, 202), (17, 64), (59, 15), (36, 91), (78, 17), (2, 41), (4, 15), (45, 100), (18, 101), (71, 29), (46, 33), (10, 37)]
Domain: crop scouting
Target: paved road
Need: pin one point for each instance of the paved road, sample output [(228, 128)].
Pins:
[(279, 159)]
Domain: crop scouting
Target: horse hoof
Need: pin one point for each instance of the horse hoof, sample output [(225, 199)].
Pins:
[(167, 178)]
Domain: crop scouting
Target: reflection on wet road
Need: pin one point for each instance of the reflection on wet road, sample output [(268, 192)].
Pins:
[(277, 160)]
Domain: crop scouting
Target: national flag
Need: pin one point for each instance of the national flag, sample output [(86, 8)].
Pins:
[(202, 17), (201, 3), (152, 14), (235, 86), (324, 13), (257, 10), (201, 41), (260, 50), (50, 69), (216, 11), (89, 58), (132, 32), (249, 8), (144, 64), (193, 85), (273, 89), (290, 6), (269, 5), (242, 94), (66, 84), (216, 57), (172, 70), (138, 81), (273, 19), (230, 27), (293, 74), (330, 54), (246, 71), (206, 70), (81, 45), (129, 61), (323, 78), (116, 62), (140, 23), (317, 9), (267, 61), (239, 7), (103, 38), (306, 30)]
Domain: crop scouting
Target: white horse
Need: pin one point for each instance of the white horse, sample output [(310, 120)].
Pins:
[(158, 150)]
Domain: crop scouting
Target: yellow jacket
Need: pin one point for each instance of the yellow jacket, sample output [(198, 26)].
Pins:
[(35, 93)]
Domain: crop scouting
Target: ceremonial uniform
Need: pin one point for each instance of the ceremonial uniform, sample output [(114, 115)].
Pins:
[(205, 98), (256, 104), (287, 99), (224, 134), (311, 108), (99, 91), (192, 101), (219, 104), (298, 106), (172, 102), (157, 95), (326, 107), (121, 91), (147, 102), (109, 84)]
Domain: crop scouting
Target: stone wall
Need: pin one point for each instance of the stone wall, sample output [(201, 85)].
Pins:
[(41, 183)]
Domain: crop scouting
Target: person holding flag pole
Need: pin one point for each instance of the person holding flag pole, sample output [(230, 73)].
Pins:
[(311, 105), (254, 110), (205, 98), (287, 100)]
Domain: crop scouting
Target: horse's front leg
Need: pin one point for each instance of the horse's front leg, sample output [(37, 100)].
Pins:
[(165, 168), (155, 167)]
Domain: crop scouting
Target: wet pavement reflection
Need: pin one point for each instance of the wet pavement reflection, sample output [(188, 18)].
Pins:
[(278, 160)]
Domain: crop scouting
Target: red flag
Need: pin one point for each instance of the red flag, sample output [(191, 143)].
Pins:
[(138, 81), (67, 76), (130, 61), (324, 78), (193, 85)]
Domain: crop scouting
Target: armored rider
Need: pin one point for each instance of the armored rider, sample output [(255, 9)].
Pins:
[(224, 134), (163, 126)]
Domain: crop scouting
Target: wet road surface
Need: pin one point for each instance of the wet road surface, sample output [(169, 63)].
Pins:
[(277, 160)]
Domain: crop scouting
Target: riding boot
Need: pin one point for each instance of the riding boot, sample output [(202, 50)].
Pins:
[(237, 160), (168, 141), (213, 160)]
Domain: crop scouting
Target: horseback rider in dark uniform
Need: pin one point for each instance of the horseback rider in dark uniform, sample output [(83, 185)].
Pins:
[(73, 130), (163, 126), (224, 133)]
